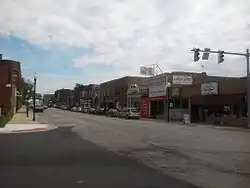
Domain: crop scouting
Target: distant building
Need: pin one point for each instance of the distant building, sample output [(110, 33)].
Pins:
[(113, 94), (47, 98), (63, 97), (10, 85), (86, 95)]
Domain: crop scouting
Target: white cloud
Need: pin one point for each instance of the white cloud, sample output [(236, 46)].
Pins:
[(129, 33)]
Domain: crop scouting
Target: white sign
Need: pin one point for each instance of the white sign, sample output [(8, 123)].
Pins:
[(132, 89), (145, 70), (182, 80), (157, 91), (209, 88), (161, 79)]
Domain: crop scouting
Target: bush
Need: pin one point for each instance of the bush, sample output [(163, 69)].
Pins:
[(4, 119)]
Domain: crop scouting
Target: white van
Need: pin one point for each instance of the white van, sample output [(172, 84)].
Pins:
[(129, 113)]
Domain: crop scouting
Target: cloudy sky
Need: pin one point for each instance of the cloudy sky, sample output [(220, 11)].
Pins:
[(69, 41)]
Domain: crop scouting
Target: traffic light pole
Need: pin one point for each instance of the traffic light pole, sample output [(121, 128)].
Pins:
[(248, 88), (247, 54)]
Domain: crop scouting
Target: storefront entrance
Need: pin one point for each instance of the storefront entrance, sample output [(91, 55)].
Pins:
[(157, 108)]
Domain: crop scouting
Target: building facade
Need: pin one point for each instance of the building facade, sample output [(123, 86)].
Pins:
[(47, 98), (218, 101), (162, 97), (10, 86), (87, 96), (63, 97), (113, 94)]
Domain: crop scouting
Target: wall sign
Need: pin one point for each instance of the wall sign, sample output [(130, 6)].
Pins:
[(161, 79), (182, 80), (157, 91), (133, 89), (209, 88)]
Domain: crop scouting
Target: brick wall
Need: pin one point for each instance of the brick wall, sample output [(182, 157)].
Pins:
[(10, 73), (117, 89)]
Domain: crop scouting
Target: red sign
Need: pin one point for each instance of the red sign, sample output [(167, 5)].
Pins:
[(158, 98), (144, 107)]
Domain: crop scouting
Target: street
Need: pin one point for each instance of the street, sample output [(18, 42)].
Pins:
[(207, 156), (61, 158)]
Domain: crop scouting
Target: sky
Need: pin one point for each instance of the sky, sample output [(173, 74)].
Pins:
[(81, 41)]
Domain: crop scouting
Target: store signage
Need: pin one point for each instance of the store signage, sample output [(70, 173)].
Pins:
[(133, 89), (209, 88), (182, 80), (157, 90), (161, 79), (147, 70)]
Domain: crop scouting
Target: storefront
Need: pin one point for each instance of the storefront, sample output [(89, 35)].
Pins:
[(157, 96)]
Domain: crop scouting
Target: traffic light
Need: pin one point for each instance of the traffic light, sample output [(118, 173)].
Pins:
[(196, 54), (220, 56)]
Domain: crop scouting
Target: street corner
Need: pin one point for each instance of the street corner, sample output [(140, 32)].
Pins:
[(26, 128)]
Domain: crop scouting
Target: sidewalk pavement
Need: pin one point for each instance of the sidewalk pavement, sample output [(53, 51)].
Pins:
[(21, 118), (21, 123)]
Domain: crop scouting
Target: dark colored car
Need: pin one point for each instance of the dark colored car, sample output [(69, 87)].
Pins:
[(112, 113), (92, 111), (100, 111)]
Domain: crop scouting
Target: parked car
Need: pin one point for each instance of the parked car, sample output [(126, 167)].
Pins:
[(92, 111), (129, 113), (100, 111), (112, 113), (45, 107), (74, 109), (39, 108)]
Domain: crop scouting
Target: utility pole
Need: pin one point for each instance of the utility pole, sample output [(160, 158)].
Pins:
[(248, 88), (221, 59), (34, 99)]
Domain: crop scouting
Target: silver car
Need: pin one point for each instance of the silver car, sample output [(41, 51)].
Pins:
[(129, 113)]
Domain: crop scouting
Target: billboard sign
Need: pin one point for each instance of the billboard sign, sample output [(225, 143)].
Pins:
[(209, 88), (157, 91), (182, 80), (133, 88), (147, 70)]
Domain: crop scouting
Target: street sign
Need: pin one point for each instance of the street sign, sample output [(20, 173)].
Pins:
[(205, 55)]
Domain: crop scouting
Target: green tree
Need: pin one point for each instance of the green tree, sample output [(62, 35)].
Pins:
[(26, 89)]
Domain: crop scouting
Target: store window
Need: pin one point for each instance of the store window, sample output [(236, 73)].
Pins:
[(184, 103)]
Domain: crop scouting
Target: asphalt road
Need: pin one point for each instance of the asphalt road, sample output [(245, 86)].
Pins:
[(61, 158), (211, 157)]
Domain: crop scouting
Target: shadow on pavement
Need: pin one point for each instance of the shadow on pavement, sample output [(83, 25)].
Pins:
[(60, 158)]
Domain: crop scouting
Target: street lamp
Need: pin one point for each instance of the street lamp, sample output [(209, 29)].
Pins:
[(34, 98), (168, 93)]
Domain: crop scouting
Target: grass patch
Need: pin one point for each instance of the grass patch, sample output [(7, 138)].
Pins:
[(5, 119)]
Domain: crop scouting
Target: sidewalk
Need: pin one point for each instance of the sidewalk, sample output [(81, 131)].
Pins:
[(21, 118), (21, 123)]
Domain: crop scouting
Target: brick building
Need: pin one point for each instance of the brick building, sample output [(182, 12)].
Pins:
[(218, 100), (154, 102), (47, 98), (86, 95), (113, 94), (63, 97), (10, 85)]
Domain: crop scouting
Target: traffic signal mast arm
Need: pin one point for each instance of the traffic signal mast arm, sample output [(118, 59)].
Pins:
[(229, 53)]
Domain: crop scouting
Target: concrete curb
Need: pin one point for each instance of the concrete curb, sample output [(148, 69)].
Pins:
[(34, 130)]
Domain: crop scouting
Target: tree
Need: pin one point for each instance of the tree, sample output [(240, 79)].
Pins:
[(26, 89)]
